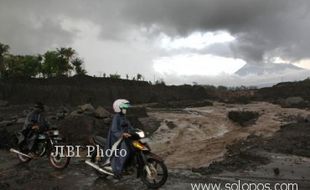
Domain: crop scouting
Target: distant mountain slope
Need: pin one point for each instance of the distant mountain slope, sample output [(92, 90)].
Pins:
[(285, 90), (267, 68)]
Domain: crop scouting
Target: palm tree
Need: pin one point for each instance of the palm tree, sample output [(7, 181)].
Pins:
[(77, 63), (66, 55)]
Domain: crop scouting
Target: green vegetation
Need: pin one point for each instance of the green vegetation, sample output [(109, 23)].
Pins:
[(61, 61), (115, 76)]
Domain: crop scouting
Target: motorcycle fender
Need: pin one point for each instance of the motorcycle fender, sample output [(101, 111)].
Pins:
[(154, 156), (148, 155)]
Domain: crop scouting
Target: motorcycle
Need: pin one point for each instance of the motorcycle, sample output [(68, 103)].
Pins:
[(149, 167), (45, 145)]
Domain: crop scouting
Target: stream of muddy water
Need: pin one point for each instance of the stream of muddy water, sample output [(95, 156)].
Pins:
[(195, 137)]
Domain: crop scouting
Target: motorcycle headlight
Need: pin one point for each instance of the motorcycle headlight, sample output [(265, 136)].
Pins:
[(55, 132), (141, 134)]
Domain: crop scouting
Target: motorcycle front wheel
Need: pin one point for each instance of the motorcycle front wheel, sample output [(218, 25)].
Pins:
[(58, 162), (158, 173)]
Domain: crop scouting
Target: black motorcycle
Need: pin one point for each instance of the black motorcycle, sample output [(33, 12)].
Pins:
[(44, 145), (149, 167)]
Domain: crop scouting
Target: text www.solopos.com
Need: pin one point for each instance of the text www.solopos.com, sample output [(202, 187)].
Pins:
[(244, 186)]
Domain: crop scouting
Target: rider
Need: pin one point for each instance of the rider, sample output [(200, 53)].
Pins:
[(120, 128), (35, 123)]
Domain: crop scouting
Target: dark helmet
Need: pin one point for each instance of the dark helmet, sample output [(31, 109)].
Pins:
[(39, 105)]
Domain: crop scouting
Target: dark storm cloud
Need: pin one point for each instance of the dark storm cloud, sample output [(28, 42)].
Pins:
[(261, 27), (32, 26), (28, 30)]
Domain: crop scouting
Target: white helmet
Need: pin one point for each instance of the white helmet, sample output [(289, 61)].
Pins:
[(120, 104)]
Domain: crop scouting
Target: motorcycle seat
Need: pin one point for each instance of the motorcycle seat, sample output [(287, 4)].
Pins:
[(99, 140)]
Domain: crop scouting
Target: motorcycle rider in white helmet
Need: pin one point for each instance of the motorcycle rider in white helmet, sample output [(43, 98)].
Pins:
[(120, 128)]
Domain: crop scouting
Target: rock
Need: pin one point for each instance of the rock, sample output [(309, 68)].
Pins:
[(63, 109), (276, 171), (87, 107), (243, 118), (90, 113), (150, 124), (51, 117), (60, 115), (79, 111), (20, 120), (14, 117), (3, 103), (101, 112), (25, 112), (170, 124), (107, 120), (6, 123), (296, 100), (78, 129), (62, 112), (75, 113)]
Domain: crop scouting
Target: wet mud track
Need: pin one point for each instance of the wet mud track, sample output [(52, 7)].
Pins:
[(39, 175)]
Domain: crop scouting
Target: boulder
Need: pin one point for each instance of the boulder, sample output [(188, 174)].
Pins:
[(243, 118), (62, 112), (75, 113), (148, 124), (78, 129), (292, 101), (87, 107), (21, 120), (101, 112)]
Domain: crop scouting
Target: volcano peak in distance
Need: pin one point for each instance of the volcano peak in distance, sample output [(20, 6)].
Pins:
[(267, 68)]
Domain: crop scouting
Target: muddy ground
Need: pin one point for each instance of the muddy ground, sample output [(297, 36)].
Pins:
[(199, 145)]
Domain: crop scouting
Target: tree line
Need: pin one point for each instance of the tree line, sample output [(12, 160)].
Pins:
[(62, 61), (53, 63)]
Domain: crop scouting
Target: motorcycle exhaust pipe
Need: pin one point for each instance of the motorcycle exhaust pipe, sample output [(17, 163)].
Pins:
[(18, 152), (88, 162)]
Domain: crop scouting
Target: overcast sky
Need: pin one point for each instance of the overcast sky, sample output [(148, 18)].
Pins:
[(205, 41)]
